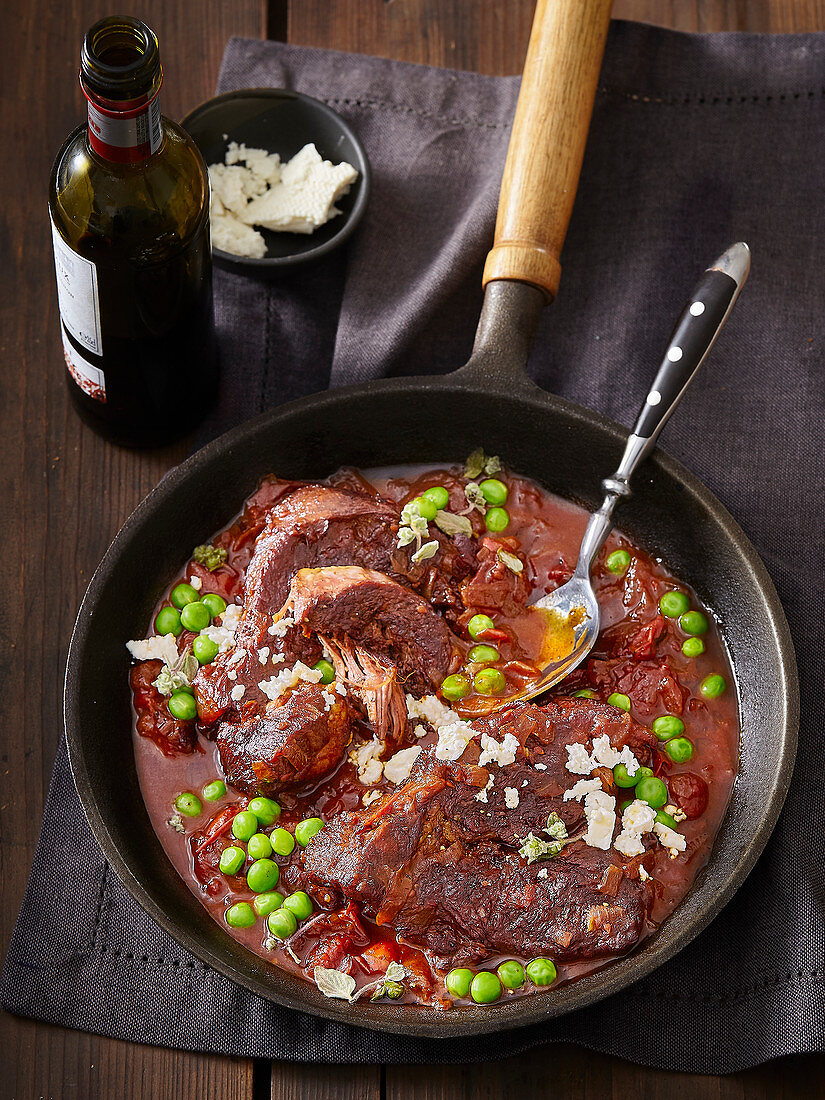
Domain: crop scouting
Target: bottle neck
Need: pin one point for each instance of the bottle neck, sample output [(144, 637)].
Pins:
[(124, 131)]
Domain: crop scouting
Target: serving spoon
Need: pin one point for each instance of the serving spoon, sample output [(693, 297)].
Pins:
[(572, 611)]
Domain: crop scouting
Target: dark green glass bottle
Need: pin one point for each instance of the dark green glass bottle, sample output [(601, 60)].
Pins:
[(129, 203)]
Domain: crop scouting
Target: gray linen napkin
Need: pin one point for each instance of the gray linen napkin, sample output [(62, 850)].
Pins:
[(697, 141)]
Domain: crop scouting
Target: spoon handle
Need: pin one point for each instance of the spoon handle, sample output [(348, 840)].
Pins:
[(695, 333)]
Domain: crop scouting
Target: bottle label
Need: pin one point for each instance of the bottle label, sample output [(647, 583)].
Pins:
[(90, 378), (125, 136), (77, 296)]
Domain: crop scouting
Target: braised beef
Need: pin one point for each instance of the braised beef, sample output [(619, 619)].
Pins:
[(288, 744), (379, 615), (494, 586), (441, 865)]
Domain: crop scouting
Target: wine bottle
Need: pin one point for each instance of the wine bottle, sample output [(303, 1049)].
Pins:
[(129, 205)]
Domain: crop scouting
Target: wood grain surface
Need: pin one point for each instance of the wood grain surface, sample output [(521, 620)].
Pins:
[(66, 493)]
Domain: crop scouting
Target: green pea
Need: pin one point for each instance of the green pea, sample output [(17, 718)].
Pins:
[(458, 981), (438, 495), (483, 654), (667, 726), (267, 903), (282, 923), (652, 790), (511, 974), (259, 846), (541, 971), (617, 699), (694, 622), (679, 750), (300, 904), (693, 647), (426, 507), (585, 693), (673, 604), (214, 790), (183, 594), (205, 649), (455, 687), (232, 859), (666, 819), (489, 682), (244, 825), (262, 876), (307, 829), (240, 915), (195, 616), (182, 706), (622, 778), (266, 811), (167, 621), (643, 773), (325, 668), (188, 804), (214, 603), (478, 624), (712, 686), (282, 841), (493, 490), (618, 562), (485, 987), (497, 519)]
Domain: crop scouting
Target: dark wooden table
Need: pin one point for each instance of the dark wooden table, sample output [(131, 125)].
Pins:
[(65, 493)]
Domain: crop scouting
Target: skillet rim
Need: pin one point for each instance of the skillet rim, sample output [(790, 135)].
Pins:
[(432, 1023)]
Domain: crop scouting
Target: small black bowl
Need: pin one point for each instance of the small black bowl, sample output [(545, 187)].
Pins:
[(283, 122)]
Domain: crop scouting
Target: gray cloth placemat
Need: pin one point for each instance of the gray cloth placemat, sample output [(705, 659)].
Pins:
[(697, 141)]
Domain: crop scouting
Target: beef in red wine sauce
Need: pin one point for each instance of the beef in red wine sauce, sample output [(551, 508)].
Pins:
[(327, 754)]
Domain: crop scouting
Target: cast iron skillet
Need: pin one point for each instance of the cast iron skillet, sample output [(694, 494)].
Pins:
[(435, 420)]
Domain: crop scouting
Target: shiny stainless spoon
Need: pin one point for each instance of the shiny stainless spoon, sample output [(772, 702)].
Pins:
[(572, 610)]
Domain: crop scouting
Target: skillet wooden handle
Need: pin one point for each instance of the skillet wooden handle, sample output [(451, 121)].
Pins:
[(547, 141)]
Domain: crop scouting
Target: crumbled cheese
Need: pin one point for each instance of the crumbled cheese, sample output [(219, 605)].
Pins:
[(365, 758), (419, 731), (581, 789), (604, 753), (223, 634), (453, 740), (599, 810), (237, 656), (369, 797), (159, 648), (397, 768), (231, 235), (263, 654), (232, 674), (643, 875), (482, 794), (637, 820), (275, 687), (305, 196), (542, 872), (237, 693), (279, 629), (196, 582), (329, 699), (578, 759), (511, 798), (340, 689), (176, 822), (541, 767), (431, 710), (500, 752), (278, 658), (670, 839)]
